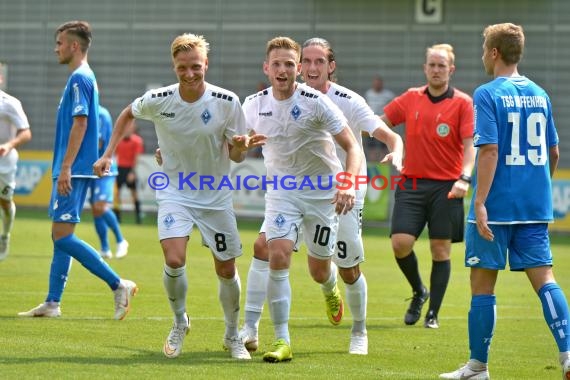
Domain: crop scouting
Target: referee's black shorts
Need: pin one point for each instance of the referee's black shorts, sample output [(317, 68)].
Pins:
[(123, 173), (428, 203)]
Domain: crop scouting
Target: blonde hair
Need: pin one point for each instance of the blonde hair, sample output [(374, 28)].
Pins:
[(188, 42), (508, 39), (445, 47), (283, 43)]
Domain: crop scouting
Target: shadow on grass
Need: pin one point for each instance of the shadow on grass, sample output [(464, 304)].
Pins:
[(136, 357)]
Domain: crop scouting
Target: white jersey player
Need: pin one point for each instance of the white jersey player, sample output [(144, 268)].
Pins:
[(14, 130), (300, 131), (200, 127), (317, 68), (301, 126), (194, 139)]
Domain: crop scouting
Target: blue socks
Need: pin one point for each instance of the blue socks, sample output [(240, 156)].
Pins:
[(88, 257), (482, 317), (481, 325), (101, 229), (113, 223), (555, 309), (60, 266), (107, 220)]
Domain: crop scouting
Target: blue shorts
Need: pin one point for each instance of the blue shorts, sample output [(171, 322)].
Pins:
[(102, 189), (525, 245), (67, 208)]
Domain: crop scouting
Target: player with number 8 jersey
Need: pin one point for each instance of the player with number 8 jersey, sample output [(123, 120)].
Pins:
[(200, 128)]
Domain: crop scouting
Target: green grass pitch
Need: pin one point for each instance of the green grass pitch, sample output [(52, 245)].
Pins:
[(87, 343)]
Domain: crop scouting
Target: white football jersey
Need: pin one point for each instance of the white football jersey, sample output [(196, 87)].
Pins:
[(299, 134), (360, 118), (12, 118), (193, 140)]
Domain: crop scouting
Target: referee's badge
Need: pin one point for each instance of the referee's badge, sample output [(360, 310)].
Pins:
[(443, 130)]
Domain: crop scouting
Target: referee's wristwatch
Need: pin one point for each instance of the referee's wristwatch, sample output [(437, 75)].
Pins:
[(465, 178)]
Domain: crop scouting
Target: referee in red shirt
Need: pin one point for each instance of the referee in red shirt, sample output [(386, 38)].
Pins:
[(128, 150), (439, 157)]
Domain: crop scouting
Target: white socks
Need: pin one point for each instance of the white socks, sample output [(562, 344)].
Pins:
[(8, 218), (229, 292), (176, 286), (329, 285), (256, 292), (356, 298), (279, 300)]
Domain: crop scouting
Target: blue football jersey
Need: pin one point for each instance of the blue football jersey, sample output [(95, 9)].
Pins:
[(105, 132), (80, 98), (516, 114)]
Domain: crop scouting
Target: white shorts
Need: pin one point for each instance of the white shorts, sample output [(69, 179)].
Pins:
[(286, 217), (7, 185), (349, 248), (218, 227), (263, 230)]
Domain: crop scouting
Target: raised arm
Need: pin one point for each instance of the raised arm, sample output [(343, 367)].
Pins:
[(344, 198), (243, 143), (394, 143)]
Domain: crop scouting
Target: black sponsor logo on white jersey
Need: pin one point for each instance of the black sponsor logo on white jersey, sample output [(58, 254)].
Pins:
[(169, 115)]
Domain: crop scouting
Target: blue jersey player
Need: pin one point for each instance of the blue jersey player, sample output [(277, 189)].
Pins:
[(101, 195), (75, 152), (512, 203)]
